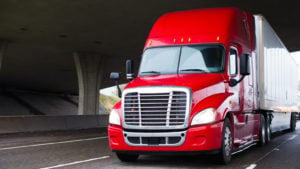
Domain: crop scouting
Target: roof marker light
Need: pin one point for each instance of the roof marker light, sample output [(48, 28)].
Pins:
[(218, 38), (181, 40), (190, 40), (150, 43), (174, 40)]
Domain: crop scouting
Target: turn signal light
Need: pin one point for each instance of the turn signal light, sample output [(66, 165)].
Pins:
[(182, 40)]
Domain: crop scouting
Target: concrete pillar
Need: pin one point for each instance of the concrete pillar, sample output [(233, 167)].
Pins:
[(3, 46), (89, 71)]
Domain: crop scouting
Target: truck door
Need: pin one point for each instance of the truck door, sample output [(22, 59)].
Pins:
[(250, 118), (239, 117), (249, 90)]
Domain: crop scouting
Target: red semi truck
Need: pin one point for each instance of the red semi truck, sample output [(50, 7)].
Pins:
[(210, 81)]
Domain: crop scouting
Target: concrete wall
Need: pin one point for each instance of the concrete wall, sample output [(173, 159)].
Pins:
[(48, 123), (20, 102)]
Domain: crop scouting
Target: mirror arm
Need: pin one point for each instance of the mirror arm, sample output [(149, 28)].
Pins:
[(242, 78), (235, 82), (119, 89)]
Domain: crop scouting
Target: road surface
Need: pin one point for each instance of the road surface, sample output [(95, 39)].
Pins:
[(89, 149)]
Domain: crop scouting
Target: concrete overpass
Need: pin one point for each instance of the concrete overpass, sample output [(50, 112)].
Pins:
[(69, 47)]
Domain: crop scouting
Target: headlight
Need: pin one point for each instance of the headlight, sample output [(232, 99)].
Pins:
[(205, 116), (114, 117)]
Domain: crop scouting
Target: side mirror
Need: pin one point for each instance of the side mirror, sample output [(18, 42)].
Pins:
[(244, 64), (116, 77), (129, 70), (244, 69)]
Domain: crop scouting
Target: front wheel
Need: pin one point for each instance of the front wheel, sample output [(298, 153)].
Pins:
[(127, 157), (224, 156)]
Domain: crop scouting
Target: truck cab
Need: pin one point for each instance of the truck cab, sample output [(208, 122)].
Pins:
[(194, 91)]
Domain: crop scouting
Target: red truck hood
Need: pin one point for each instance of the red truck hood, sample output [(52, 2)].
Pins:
[(194, 81)]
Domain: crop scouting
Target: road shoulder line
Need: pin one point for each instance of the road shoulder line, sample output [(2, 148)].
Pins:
[(52, 143), (76, 162)]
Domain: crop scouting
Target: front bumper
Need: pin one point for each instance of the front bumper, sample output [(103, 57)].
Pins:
[(197, 138)]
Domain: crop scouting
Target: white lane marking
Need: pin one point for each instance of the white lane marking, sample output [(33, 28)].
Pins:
[(52, 143), (252, 166), (293, 137), (275, 149), (76, 162)]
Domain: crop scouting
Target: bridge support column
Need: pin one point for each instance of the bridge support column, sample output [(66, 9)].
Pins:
[(88, 67), (3, 46)]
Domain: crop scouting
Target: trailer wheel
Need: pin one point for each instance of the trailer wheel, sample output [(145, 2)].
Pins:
[(262, 131), (293, 122), (268, 129), (224, 156), (127, 157)]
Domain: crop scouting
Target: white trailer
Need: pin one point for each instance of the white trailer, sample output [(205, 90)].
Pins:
[(277, 74)]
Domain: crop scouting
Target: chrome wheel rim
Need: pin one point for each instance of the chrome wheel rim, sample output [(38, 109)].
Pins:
[(263, 134)]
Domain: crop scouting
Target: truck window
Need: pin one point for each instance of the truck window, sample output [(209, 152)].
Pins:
[(232, 62), (160, 61), (204, 59), (183, 60)]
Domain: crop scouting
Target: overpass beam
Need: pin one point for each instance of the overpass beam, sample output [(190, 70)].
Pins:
[(3, 46), (89, 70)]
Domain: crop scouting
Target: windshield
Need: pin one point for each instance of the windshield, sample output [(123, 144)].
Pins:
[(183, 59)]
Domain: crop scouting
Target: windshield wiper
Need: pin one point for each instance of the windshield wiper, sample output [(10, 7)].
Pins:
[(196, 70), (151, 72)]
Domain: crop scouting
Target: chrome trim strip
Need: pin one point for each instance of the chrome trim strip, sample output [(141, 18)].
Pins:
[(244, 148), (140, 110), (169, 109), (166, 135)]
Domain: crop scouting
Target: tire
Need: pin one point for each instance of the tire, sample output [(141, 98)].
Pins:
[(224, 156), (262, 131), (293, 122), (127, 157), (268, 129)]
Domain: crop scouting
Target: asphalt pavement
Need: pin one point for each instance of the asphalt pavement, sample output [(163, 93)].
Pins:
[(88, 149)]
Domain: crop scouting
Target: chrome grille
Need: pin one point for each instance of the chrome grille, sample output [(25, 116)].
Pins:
[(155, 109)]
